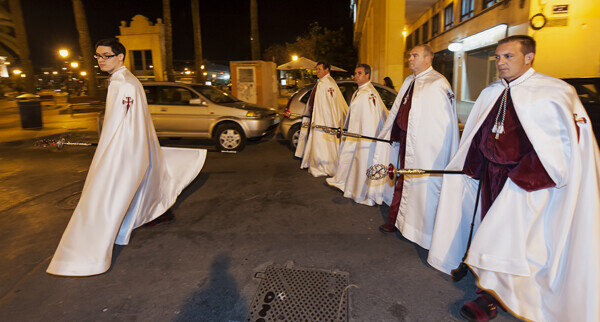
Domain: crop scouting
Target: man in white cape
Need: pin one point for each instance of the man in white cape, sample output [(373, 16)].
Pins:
[(325, 107), (529, 143), (424, 126), (131, 180), (366, 116)]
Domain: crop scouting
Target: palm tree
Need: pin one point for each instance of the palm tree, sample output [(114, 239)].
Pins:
[(23, 46), (197, 40), (85, 44), (168, 39), (254, 30)]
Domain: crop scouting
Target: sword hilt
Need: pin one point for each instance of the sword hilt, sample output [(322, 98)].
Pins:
[(60, 143), (380, 171)]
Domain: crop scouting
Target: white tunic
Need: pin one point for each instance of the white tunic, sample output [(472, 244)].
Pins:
[(538, 251), (131, 181), (431, 140), (366, 116), (319, 150)]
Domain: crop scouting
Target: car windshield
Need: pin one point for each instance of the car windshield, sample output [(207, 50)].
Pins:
[(215, 95)]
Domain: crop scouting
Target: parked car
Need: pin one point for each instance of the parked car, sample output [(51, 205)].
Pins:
[(203, 111), (291, 121), (588, 90)]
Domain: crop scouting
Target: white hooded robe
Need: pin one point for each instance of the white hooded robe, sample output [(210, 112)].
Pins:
[(131, 181), (319, 150), (366, 116), (538, 251), (431, 140)]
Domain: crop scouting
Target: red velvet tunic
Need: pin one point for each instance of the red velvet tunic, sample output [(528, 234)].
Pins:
[(398, 134), (510, 156)]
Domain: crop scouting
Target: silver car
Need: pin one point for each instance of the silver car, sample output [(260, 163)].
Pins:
[(291, 121), (202, 111)]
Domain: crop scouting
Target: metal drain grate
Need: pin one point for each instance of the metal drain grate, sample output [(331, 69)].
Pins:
[(299, 294)]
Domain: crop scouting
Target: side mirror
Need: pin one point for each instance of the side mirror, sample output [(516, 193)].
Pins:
[(198, 101)]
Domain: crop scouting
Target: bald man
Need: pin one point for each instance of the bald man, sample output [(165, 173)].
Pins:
[(424, 127)]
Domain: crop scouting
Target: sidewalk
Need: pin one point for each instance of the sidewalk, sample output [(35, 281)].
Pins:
[(56, 119)]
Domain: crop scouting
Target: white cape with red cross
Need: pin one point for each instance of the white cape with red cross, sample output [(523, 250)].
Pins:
[(131, 181), (319, 150)]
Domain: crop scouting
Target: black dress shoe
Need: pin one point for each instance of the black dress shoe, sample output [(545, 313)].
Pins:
[(383, 229)]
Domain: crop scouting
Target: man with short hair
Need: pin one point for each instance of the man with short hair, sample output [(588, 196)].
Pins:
[(325, 107), (131, 181), (366, 116), (424, 126), (529, 146)]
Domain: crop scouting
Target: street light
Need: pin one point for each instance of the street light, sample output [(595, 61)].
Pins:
[(295, 57), (83, 73), (63, 53), (17, 71), (74, 64)]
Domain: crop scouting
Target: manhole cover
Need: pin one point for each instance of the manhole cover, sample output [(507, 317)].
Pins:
[(69, 202), (300, 294)]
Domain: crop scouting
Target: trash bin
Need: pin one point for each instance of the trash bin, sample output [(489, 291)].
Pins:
[(30, 109)]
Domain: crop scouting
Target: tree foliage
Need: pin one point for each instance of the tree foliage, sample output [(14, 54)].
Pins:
[(318, 44)]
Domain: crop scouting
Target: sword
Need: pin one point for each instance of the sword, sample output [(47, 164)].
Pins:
[(60, 143), (380, 171), (339, 132)]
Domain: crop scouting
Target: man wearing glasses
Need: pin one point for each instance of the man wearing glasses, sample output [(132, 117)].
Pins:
[(131, 180)]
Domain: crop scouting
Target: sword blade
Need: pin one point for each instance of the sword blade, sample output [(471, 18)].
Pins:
[(360, 136)]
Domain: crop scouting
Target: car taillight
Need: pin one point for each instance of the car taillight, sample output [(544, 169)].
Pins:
[(286, 111)]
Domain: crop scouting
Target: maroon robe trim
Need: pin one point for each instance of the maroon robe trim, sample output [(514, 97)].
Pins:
[(510, 156), (399, 133)]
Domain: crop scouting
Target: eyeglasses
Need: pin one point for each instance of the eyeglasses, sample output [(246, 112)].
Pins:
[(103, 57)]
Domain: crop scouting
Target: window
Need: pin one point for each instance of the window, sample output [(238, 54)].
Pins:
[(417, 36), (387, 97), (466, 10), (409, 41), (150, 97), (435, 25), (172, 95), (214, 94), (448, 16), (489, 3), (425, 31), (142, 59)]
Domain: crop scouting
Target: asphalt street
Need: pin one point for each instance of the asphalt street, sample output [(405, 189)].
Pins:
[(244, 211)]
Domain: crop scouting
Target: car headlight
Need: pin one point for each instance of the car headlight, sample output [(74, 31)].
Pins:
[(252, 114)]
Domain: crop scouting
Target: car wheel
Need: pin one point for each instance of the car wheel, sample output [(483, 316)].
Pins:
[(230, 137), (293, 135)]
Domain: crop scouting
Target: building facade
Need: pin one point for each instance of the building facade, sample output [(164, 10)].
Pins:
[(145, 44), (464, 33), (378, 35)]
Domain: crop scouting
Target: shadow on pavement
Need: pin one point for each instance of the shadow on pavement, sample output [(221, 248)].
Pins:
[(219, 298)]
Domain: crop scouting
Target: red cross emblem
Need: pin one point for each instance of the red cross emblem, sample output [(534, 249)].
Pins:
[(373, 99), (330, 90), (578, 120), (127, 102)]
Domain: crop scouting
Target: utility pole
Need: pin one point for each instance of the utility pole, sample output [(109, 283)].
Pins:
[(197, 41), (85, 44), (21, 39), (254, 30), (168, 39)]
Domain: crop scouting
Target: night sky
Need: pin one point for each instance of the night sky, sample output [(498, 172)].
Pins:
[(225, 24)]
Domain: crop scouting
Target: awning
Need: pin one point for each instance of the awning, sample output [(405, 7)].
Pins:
[(304, 63)]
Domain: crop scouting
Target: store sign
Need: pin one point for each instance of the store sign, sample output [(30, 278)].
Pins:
[(560, 9)]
